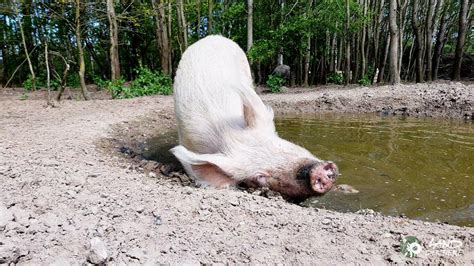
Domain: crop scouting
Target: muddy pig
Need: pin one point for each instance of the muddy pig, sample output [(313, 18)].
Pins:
[(227, 134)]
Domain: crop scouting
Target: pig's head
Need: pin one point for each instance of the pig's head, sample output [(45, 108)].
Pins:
[(262, 160)]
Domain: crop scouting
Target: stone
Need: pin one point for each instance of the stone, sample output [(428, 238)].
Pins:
[(97, 251), (140, 208), (21, 216), (136, 253), (5, 217), (75, 180)]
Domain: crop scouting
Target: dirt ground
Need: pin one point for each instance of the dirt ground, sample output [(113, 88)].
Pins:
[(74, 190)]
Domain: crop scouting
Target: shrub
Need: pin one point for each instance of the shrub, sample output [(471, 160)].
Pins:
[(146, 83), (365, 81), (117, 89), (149, 82), (73, 80), (335, 78), (101, 84), (275, 83)]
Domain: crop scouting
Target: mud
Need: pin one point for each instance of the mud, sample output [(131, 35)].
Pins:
[(73, 182)]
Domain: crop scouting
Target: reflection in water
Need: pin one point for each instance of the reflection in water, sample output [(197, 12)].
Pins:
[(421, 168)]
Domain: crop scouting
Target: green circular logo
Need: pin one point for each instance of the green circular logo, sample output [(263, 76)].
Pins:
[(410, 246)]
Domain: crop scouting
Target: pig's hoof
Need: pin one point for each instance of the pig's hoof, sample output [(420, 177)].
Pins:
[(323, 176)]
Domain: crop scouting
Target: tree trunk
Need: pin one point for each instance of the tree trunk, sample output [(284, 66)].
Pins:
[(82, 64), (23, 41), (357, 51), (333, 57), (64, 78), (377, 34), (428, 38), (348, 46), (307, 56), (464, 6), (394, 74), (46, 61), (362, 45), (401, 30), (182, 23), (383, 63), (198, 27), (162, 36), (440, 40), (113, 33), (209, 16), (418, 43), (249, 24)]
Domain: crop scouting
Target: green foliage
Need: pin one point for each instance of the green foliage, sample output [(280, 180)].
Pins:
[(147, 83), (365, 81), (28, 83), (101, 84), (262, 51), (118, 89), (55, 84), (335, 78), (73, 80), (275, 83)]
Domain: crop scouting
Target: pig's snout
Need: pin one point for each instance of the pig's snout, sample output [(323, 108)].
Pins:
[(322, 176)]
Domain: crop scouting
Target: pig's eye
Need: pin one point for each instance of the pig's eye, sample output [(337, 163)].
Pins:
[(261, 178)]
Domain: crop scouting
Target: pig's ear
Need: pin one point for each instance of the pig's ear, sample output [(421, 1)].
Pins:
[(211, 168), (256, 113)]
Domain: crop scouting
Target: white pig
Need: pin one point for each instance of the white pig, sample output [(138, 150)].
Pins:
[(227, 134)]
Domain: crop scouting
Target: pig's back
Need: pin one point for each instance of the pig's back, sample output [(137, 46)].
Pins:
[(206, 95)]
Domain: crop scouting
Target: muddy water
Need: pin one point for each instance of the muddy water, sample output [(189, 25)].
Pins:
[(419, 168)]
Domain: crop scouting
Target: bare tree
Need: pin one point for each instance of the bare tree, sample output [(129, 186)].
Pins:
[(307, 56), (23, 41), (429, 37), (209, 16), (113, 32), (198, 27), (464, 7), (249, 24), (418, 42), (441, 38), (182, 24), (394, 74), (348, 45), (162, 36), (82, 64)]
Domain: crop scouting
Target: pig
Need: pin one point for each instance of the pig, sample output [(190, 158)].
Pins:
[(227, 134), (282, 71)]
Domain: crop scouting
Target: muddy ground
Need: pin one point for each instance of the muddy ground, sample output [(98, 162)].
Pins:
[(73, 174)]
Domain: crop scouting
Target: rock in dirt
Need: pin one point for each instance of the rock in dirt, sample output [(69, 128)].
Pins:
[(97, 251), (345, 189), (5, 217), (21, 216), (10, 254), (76, 180), (136, 254)]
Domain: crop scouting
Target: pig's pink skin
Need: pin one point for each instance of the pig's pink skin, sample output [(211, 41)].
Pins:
[(226, 133)]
